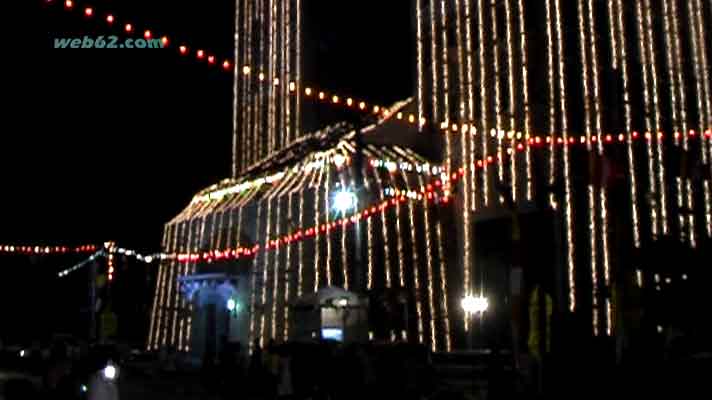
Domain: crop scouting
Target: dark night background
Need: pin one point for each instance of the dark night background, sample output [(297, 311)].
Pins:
[(102, 144)]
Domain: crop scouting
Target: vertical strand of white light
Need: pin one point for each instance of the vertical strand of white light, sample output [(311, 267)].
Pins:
[(658, 123), (429, 268), (648, 113), (446, 82), (300, 267), (466, 213), (435, 117), (680, 72), (621, 53), (272, 68), (602, 195), (568, 199), (468, 63), (497, 93), (704, 93), (420, 59), (327, 218), (471, 172), (401, 250), (344, 249), (670, 54), (236, 98), (259, 126), (249, 123), (284, 75), (414, 247), (484, 105), (443, 286), (368, 186), (275, 270), (584, 46), (265, 268), (524, 64), (509, 35), (287, 270), (384, 231), (253, 292), (551, 85), (462, 93), (298, 68), (317, 246)]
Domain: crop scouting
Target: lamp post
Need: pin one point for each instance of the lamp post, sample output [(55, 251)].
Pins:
[(473, 306)]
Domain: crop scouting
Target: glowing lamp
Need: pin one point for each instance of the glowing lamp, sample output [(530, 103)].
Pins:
[(88, 11), (128, 28), (344, 201), (110, 19), (474, 305), (147, 34), (110, 372), (68, 4)]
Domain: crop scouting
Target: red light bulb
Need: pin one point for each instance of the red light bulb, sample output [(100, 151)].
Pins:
[(183, 50), (147, 34), (211, 59), (88, 11), (110, 19), (68, 4), (164, 40), (200, 54), (226, 65), (128, 28)]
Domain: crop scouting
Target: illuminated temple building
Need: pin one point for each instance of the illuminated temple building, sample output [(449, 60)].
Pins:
[(542, 147)]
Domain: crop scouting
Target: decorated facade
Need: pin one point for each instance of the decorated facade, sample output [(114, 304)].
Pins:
[(581, 128)]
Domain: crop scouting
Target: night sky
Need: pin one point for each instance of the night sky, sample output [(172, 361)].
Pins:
[(102, 144)]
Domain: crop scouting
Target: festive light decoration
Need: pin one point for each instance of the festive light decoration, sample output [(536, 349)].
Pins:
[(488, 146), (40, 250)]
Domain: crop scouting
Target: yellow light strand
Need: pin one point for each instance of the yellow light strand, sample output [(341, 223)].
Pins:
[(434, 62), (602, 196), (484, 104), (658, 123), (645, 66), (446, 84), (420, 58), (512, 94), (443, 287), (253, 294), (568, 200), (460, 71), (551, 75), (525, 90)]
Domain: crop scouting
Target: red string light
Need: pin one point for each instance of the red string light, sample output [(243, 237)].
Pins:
[(110, 19), (68, 4), (147, 34), (88, 11), (128, 28)]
